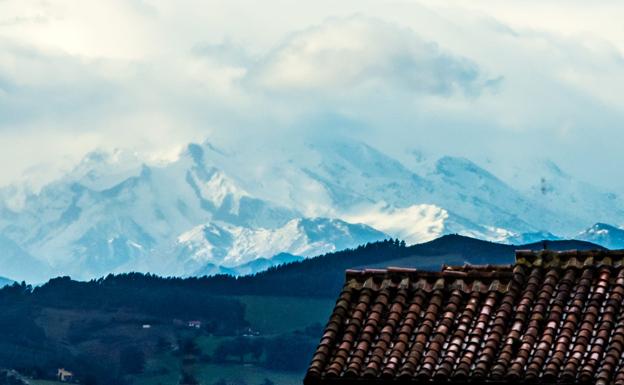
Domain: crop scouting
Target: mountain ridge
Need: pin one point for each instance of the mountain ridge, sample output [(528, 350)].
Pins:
[(5, 281), (323, 276), (115, 212)]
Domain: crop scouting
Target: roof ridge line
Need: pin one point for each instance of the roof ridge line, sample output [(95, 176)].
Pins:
[(569, 258)]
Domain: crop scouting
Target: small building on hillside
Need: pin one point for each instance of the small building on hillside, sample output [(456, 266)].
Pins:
[(550, 318), (194, 324), (249, 332), (64, 375)]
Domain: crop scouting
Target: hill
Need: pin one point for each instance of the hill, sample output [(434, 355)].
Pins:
[(323, 276)]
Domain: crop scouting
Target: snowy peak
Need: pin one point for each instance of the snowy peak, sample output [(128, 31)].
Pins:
[(80, 226), (601, 229), (526, 238), (230, 246), (335, 233), (414, 224), (605, 235)]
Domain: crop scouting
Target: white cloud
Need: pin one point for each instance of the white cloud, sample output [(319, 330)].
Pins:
[(363, 55), (493, 82)]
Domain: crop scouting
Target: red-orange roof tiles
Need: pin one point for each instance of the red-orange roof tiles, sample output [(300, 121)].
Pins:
[(552, 317)]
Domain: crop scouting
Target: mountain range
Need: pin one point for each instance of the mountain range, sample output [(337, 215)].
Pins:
[(213, 209)]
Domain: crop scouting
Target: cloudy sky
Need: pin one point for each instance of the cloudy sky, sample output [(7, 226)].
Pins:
[(498, 82)]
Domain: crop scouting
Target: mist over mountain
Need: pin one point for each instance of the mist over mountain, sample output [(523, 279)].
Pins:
[(215, 209)]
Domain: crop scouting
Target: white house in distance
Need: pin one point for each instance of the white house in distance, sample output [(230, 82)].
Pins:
[(64, 375)]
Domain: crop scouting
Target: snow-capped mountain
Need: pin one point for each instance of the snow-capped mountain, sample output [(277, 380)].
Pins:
[(525, 238), (167, 218), (225, 208), (603, 234), (229, 246)]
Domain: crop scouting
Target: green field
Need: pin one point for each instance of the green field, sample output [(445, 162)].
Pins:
[(270, 315), (208, 374), (248, 374), (164, 369)]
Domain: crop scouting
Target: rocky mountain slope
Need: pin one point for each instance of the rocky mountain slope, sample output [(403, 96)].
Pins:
[(211, 209)]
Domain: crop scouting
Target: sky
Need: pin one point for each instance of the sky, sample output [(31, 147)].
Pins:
[(501, 83)]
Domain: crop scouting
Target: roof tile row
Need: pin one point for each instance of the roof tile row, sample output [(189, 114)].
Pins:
[(552, 317)]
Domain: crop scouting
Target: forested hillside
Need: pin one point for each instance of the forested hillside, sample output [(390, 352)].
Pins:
[(125, 328)]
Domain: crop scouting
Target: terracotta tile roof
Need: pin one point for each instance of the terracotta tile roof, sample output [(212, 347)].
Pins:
[(552, 317)]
